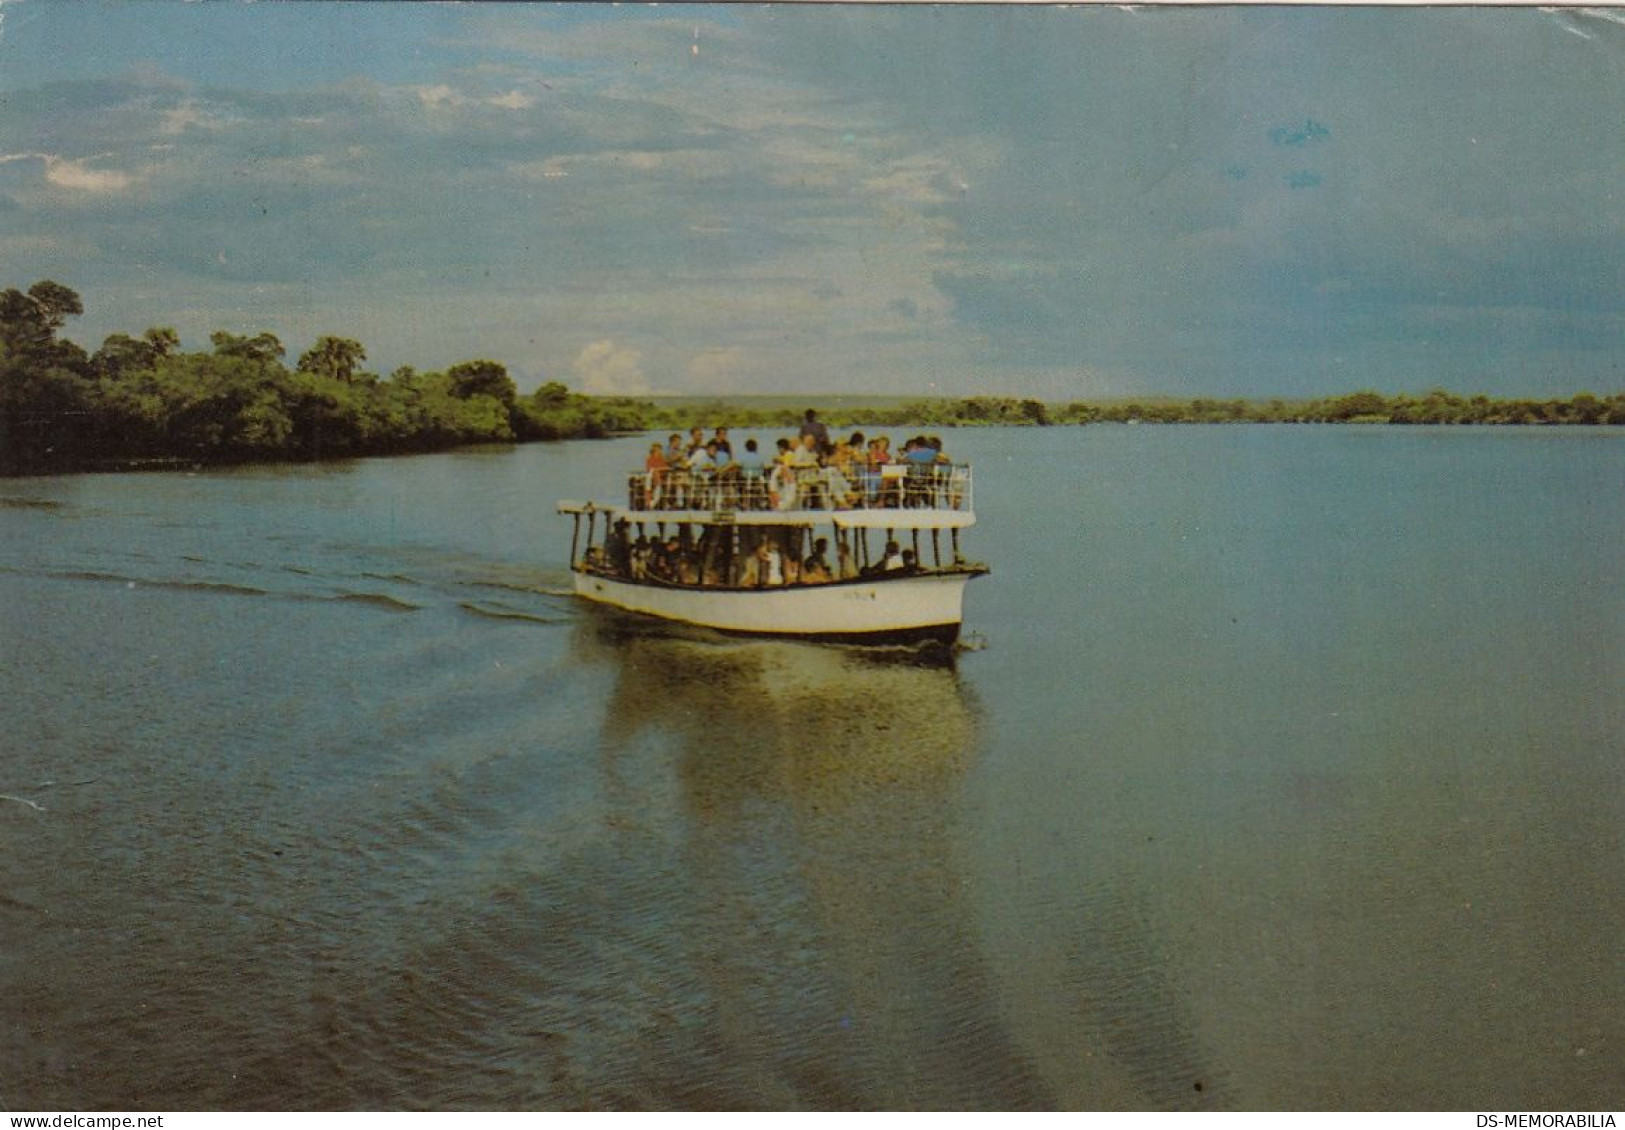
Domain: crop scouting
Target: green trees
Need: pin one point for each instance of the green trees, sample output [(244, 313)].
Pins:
[(142, 399), (334, 357), (482, 378), (121, 353), (44, 386), (262, 347)]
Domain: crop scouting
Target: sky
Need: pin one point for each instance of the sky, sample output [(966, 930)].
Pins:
[(1056, 202)]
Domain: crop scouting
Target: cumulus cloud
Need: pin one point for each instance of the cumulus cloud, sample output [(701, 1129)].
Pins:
[(606, 369), (443, 96), (724, 369), (513, 100), (75, 174), (824, 197), (187, 116)]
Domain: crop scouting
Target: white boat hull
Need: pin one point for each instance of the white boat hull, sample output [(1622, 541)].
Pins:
[(928, 606)]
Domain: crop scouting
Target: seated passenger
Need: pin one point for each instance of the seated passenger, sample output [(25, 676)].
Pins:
[(804, 460), (846, 566), (843, 491), (920, 457), (725, 472), (892, 560), (769, 564), (784, 484), (688, 566), (618, 548), (815, 570), (805, 452), (702, 472), (703, 458), (883, 487), (910, 565), (640, 558)]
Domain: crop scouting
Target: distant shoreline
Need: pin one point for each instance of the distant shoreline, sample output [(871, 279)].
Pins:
[(1437, 410), (142, 403)]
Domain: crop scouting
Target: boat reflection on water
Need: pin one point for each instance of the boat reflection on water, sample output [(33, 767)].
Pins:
[(813, 813)]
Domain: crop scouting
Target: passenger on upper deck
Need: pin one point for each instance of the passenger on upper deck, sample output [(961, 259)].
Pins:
[(723, 446), (753, 471), (811, 425), (655, 466), (805, 451), (919, 450), (703, 458), (803, 461), (921, 459), (781, 483)]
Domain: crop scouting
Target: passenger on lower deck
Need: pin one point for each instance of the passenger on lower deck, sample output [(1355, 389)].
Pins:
[(890, 561), (815, 570), (846, 566), (766, 567)]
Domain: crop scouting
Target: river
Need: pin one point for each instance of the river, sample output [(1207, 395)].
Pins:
[(1283, 770)]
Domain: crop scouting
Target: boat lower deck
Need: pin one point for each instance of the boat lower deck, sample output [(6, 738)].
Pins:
[(877, 609)]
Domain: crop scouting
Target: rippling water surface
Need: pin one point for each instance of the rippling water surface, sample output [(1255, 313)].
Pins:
[(1289, 775)]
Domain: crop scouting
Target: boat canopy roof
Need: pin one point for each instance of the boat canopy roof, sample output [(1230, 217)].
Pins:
[(882, 519)]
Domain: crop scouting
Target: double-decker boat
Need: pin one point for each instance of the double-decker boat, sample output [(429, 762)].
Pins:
[(807, 554)]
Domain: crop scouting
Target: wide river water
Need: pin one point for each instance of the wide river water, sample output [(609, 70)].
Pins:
[(1285, 770)]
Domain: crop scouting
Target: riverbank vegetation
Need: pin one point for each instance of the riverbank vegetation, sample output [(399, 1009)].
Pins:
[(143, 401)]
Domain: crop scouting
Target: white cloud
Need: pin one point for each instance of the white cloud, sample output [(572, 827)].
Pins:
[(77, 175), (80, 176), (513, 100), (442, 96), (722, 370), (674, 164), (189, 115), (605, 369)]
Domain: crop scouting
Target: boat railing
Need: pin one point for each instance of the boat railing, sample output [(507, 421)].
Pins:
[(932, 486)]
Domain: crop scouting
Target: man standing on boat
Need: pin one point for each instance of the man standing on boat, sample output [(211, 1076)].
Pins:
[(813, 426)]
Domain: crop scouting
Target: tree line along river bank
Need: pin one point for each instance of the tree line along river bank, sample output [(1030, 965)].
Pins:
[(142, 401)]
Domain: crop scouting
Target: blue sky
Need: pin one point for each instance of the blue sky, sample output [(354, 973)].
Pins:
[(1056, 202)]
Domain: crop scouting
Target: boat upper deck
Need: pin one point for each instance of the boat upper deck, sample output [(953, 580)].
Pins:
[(893, 496)]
